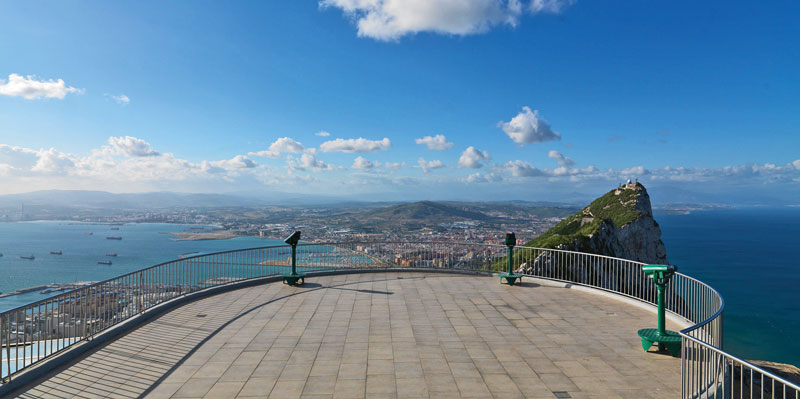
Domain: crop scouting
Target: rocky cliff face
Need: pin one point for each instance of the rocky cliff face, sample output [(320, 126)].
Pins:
[(619, 224)]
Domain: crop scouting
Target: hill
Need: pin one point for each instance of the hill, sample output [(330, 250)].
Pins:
[(619, 223), (417, 215)]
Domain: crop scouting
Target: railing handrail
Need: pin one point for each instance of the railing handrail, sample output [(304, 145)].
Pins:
[(98, 283), (739, 360), (709, 319)]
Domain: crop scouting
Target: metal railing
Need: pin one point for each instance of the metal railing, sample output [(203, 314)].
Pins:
[(43, 329)]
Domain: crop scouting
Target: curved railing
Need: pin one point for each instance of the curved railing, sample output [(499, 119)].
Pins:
[(43, 329)]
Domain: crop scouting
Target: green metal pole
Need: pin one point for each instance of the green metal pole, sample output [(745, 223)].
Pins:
[(661, 328), (510, 254), (294, 262)]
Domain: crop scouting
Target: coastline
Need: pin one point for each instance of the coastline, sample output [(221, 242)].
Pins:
[(216, 235)]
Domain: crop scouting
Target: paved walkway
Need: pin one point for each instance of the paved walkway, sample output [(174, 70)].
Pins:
[(387, 335)]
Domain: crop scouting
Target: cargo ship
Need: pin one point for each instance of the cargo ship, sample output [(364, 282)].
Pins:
[(55, 252), (112, 254), (31, 257), (103, 262), (115, 228), (113, 238)]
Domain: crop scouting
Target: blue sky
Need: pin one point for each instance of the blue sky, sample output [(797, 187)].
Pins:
[(190, 96)]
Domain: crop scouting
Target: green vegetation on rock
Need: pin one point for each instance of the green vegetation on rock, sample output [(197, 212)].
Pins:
[(618, 207)]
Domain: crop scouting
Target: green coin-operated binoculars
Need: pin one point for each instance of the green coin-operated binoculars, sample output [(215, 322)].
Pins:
[(294, 277), (670, 340), (510, 276)]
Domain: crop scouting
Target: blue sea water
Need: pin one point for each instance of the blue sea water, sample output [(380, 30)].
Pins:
[(142, 245), (751, 257)]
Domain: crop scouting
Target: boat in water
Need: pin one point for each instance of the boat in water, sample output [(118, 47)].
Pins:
[(113, 238), (103, 262), (55, 252), (115, 228), (88, 233), (112, 254), (30, 257)]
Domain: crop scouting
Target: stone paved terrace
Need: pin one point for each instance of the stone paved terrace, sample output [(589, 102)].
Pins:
[(380, 335)]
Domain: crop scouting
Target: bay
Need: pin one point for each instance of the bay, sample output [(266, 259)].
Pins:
[(142, 245)]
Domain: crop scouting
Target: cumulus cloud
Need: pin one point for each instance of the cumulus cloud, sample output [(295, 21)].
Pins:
[(522, 169), (283, 145), (322, 133), (237, 162), (427, 166), (355, 145), (528, 128), (307, 161), (132, 146), (31, 89), (120, 99), (473, 158), (361, 163), (438, 142), (635, 171), (393, 19), (561, 159)]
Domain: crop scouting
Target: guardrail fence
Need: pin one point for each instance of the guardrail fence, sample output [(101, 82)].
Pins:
[(40, 330)]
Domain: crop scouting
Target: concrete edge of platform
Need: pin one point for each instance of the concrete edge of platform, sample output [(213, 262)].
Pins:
[(46, 367)]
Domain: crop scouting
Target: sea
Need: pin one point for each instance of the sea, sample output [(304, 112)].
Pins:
[(748, 255), (752, 258), (142, 245)]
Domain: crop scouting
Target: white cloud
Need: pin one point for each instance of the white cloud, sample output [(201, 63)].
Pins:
[(427, 166), (796, 164), (361, 163), (551, 6), (322, 133), (522, 169), (31, 89), (132, 146), (120, 99), (393, 19), (53, 162), (635, 171), (484, 178), (283, 145), (438, 142), (527, 128), (307, 161), (561, 159), (237, 162), (473, 158), (355, 145), (394, 165)]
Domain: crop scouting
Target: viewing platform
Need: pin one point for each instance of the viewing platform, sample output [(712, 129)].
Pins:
[(378, 320), (380, 335)]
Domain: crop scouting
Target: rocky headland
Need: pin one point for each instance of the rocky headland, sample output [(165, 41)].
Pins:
[(618, 224)]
